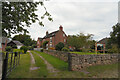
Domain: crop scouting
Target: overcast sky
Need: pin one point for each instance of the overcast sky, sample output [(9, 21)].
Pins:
[(86, 16)]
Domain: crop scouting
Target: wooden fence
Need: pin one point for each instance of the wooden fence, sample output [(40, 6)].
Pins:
[(10, 61)]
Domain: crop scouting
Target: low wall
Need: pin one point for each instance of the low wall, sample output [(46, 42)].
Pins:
[(78, 62), (59, 54)]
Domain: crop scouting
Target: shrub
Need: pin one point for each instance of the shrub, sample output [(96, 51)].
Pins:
[(30, 47), (65, 49), (44, 44), (59, 46), (41, 50), (8, 48), (18, 50), (24, 48)]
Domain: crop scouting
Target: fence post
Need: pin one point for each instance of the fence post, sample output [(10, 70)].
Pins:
[(19, 59), (5, 64), (69, 62), (14, 61), (11, 61)]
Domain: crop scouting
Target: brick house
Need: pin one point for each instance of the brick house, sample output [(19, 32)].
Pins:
[(54, 38)]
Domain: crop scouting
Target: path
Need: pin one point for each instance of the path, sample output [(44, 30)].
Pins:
[(33, 62), (50, 68)]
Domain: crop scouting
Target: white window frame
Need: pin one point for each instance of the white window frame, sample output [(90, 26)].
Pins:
[(0, 45), (63, 35), (64, 40)]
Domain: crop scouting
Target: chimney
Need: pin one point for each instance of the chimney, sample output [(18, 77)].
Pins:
[(61, 28), (46, 32)]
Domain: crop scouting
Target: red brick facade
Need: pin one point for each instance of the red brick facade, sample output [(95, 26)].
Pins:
[(54, 38)]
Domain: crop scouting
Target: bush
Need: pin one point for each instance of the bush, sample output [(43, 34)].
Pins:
[(30, 48), (59, 46), (18, 50), (8, 48), (65, 49), (41, 50), (24, 48)]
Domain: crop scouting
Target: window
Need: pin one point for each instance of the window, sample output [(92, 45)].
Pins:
[(50, 45), (63, 35), (64, 40), (50, 39), (0, 45)]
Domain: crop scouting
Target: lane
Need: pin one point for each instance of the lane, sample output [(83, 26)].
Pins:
[(50, 68), (33, 62)]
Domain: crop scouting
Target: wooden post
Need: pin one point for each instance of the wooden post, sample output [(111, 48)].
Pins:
[(11, 61), (14, 61), (96, 48), (5, 65)]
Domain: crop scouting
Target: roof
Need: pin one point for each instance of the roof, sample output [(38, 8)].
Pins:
[(16, 42), (51, 34), (4, 39), (104, 40)]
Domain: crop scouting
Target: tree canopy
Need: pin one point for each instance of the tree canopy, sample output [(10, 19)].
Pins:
[(25, 39), (114, 40), (79, 41), (17, 15)]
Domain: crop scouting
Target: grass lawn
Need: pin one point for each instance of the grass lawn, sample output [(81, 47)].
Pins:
[(86, 53), (42, 72), (99, 71), (57, 63), (22, 70)]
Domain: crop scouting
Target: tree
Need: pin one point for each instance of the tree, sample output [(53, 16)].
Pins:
[(114, 39), (59, 46), (16, 15), (24, 48), (79, 41), (25, 39)]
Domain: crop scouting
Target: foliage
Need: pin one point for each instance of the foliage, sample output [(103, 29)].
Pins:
[(114, 39), (16, 15), (59, 46), (25, 39), (114, 49), (8, 48), (80, 40), (18, 50), (65, 49), (44, 44), (24, 48), (30, 47)]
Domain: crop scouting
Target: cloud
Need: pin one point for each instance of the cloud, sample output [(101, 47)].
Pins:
[(89, 17)]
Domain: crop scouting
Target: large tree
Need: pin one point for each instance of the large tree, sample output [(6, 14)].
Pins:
[(25, 39), (17, 15), (79, 41), (114, 39)]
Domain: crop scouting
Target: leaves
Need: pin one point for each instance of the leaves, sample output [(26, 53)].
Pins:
[(14, 14)]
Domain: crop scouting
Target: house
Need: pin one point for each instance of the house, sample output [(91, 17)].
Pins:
[(54, 38), (3, 43), (101, 45), (15, 44)]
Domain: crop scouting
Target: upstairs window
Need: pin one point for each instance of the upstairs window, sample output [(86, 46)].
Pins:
[(0, 45), (63, 35), (50, 39)]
